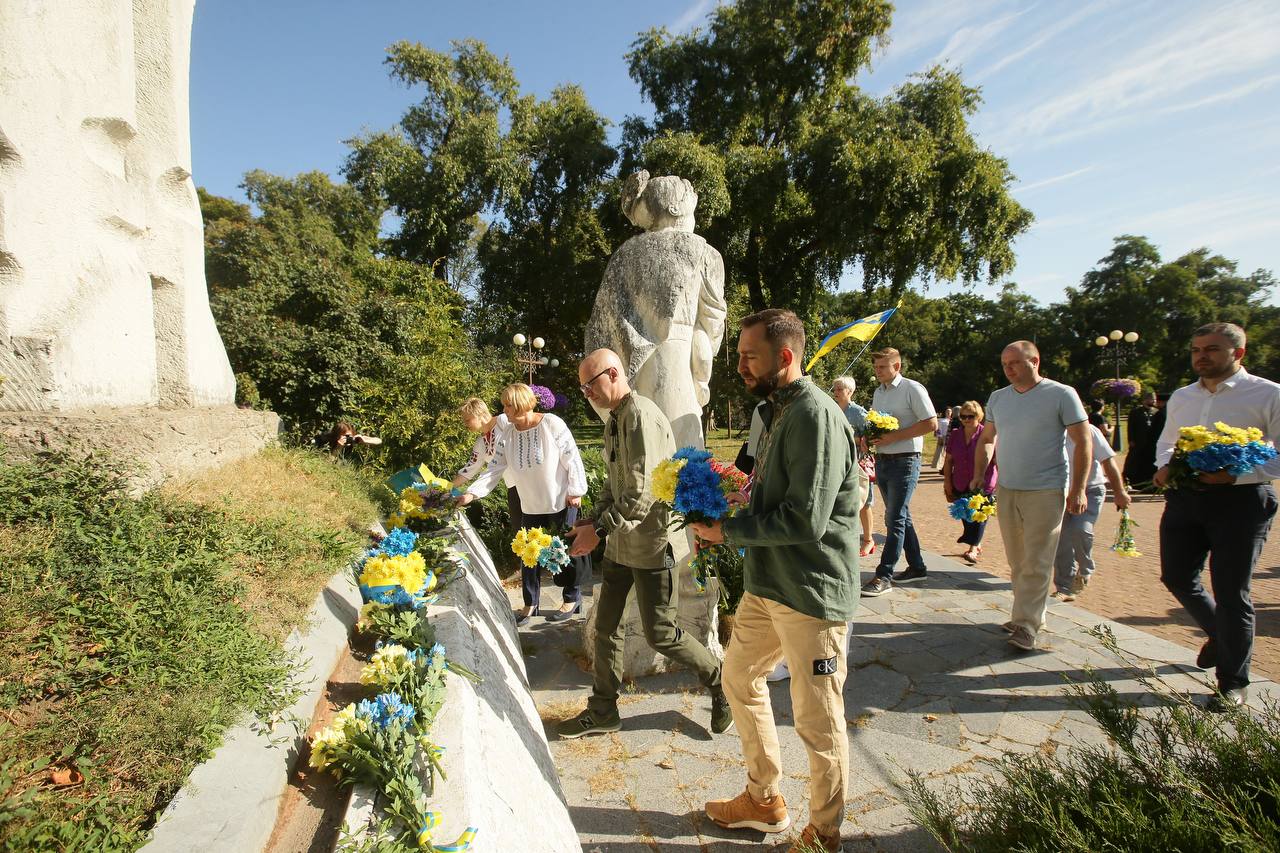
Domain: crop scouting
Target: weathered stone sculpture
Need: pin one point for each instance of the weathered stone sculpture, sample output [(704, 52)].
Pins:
[(103, 302), (661, 307)]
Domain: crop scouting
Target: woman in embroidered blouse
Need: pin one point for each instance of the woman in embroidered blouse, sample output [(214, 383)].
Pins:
[(957, 472), (539, 459)]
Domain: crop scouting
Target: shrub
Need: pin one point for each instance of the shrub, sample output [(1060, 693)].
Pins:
[(1178, 778)]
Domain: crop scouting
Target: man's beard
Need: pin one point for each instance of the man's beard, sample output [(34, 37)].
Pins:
[(766, 385)]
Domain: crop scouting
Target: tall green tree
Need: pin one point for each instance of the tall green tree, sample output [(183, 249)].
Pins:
[(449, 158), (817, 174)]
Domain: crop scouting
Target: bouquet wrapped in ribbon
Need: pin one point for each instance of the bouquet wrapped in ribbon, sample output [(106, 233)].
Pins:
[(1201, 450), (696, 486), (878, 424), (1124, 544), (535, 547), (395, 574), (427, 505), (973, 506)]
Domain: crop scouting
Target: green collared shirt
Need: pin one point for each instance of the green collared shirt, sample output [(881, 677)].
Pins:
[(637, 437), (801, 529)]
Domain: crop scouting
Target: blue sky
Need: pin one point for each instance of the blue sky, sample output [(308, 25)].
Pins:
[(1153, 118)]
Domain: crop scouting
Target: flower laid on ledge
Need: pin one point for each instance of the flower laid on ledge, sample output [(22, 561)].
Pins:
[(696, 486), (973, 506), (397, 581), (535, 547), (878, 424), (1201, 450), (1124, 544), (425, 505)]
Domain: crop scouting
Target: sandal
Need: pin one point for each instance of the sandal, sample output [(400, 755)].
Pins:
[(868, 548)]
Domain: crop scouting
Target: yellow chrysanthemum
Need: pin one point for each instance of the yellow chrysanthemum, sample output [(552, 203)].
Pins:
[(387, 666), (528, 544), (881, 420), (408, 571), (665, 476)]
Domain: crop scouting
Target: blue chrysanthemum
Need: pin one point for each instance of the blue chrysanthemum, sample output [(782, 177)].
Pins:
[(400, 542)]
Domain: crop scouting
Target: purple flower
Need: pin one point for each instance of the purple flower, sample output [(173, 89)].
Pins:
[(1115, 389), (546, 397), (562, 402)]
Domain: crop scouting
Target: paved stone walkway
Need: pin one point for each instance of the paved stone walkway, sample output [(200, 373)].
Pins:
[(932, 687)]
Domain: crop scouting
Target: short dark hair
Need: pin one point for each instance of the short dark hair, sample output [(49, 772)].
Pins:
[(782, 328), (1230, 331)]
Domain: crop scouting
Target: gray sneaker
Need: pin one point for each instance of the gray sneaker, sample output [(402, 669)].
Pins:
[(877, 586), (588, 723), (911, 576), (1023, 639)]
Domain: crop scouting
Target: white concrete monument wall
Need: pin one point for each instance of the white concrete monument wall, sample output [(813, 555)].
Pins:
[(103, 301)]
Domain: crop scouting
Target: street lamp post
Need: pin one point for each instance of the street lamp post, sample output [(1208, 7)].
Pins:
[(1118, 347), (527, 355)]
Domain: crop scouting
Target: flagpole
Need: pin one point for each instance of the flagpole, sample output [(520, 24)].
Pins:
[(849, 366)]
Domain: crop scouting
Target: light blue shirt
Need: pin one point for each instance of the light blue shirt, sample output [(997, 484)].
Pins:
[(1030, 430), (856, 416), (907, 401)]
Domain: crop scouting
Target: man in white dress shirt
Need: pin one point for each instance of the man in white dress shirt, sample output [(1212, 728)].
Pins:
[(1225, 518)]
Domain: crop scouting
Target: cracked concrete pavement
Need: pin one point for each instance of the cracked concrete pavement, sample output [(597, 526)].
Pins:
[(933, 687)]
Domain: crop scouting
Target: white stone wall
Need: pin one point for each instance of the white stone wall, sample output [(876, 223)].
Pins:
[(103, 300)]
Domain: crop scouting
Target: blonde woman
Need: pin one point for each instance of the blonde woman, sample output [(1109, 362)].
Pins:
[(539, 459)]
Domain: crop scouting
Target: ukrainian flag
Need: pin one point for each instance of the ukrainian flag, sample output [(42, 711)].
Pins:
[(862, 330)]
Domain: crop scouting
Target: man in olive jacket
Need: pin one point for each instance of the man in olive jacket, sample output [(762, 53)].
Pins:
[(637, 553), (801, 535)]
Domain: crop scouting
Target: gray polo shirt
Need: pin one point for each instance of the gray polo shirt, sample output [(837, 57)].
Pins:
[(907, 401), (1029, 434)]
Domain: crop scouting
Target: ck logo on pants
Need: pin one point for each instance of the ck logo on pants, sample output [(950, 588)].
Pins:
[(825, 667)]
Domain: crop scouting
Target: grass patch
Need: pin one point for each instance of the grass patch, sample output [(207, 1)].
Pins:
[(133, 631)]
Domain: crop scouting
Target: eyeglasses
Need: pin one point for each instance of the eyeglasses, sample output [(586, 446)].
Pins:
[(968, 417), (584, 388)]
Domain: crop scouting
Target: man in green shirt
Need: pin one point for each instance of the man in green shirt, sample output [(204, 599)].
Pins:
[(637, 554), (800, 531)]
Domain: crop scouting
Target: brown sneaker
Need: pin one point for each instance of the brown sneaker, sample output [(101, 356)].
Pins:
[(813, 841), (1078, 583), (745, 812)]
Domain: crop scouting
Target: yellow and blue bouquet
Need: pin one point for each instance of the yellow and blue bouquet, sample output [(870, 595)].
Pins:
[(696, 485), (535, 547), (396, 580), (426, 505), (878, 424), (973, 506), (1201, 450)]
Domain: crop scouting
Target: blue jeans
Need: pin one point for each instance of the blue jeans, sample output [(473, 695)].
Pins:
[(1075, 542), (897, 477)]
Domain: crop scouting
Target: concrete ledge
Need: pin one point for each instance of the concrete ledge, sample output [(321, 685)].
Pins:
[(230, 802), (501, 777), (165, 442)]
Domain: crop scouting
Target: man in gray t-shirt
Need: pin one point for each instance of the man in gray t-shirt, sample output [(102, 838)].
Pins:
[(1030, 416)]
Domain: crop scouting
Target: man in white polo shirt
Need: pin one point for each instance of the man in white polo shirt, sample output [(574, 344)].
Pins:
[(1032, 415), (1225, 516), (898, 468)]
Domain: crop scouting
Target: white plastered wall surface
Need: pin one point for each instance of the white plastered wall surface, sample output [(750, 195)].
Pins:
[(103, 300)]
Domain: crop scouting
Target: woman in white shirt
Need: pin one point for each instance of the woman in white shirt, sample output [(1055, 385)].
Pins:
[(537, 457)]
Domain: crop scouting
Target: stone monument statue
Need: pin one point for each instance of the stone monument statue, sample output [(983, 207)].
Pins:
[(661, 307), (103, 302)]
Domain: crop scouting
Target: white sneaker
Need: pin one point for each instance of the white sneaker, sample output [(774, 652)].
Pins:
[(780, 673)]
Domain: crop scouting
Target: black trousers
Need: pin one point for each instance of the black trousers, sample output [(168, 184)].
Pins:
[(1228, 525)]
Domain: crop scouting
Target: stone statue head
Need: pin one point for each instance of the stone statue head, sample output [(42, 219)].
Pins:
[(658, 203)]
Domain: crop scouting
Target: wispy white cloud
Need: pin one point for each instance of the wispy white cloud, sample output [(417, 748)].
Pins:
[(1219, 223), (967, 41), (691, 16), (1044, 37), (1056, 179), (917, 27), (1216, 42), (1238, 92)]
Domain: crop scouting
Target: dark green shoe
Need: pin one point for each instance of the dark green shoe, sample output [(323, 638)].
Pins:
[(721, 716), (588, 723)]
